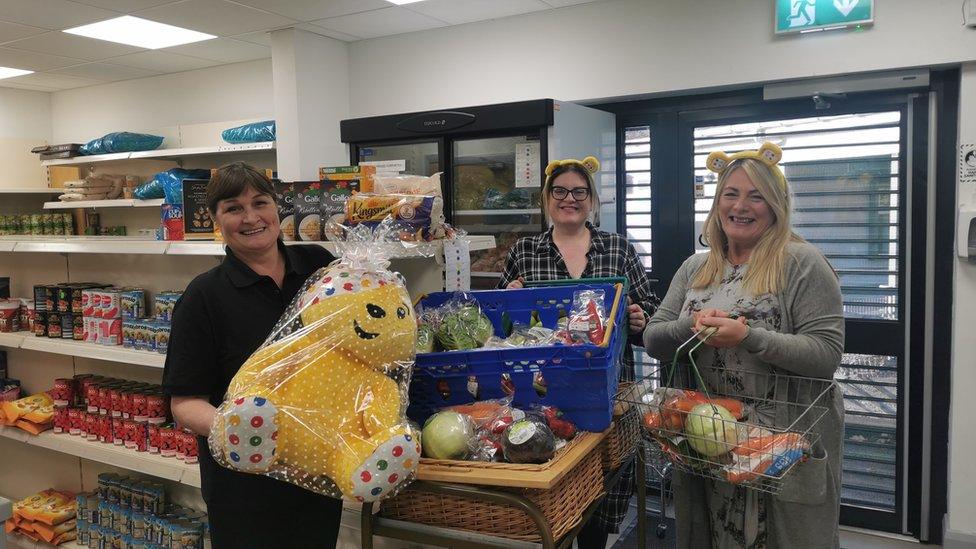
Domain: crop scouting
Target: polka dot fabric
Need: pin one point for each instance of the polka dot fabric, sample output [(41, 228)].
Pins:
[(331, 418), (252, 428)]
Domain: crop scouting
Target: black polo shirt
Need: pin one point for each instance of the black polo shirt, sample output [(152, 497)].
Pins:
[(223, 316)]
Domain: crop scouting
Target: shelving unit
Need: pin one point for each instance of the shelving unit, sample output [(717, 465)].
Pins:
[(485, 274), (118, 456), (134, 245), (163, 154), (114, 203), (69, 347), (30, 190)]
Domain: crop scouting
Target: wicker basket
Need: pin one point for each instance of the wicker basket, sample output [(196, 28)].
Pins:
[(578, 482), (625, 432)]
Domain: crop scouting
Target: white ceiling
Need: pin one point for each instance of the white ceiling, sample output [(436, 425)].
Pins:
[(30, 36)]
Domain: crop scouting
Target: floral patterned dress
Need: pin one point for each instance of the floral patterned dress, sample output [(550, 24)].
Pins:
[(737, 516)]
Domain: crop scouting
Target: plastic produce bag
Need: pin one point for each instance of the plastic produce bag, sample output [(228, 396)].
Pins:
[(322, 403), (117, 142), (462, 325), (254, 132), (168, 185)]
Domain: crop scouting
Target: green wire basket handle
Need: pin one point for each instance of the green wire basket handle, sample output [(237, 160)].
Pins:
[(700, 338)]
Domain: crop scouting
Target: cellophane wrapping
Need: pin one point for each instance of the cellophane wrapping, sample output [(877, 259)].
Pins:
[(322, 403)]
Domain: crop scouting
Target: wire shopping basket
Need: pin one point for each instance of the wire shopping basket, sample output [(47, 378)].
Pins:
[(732, 425)]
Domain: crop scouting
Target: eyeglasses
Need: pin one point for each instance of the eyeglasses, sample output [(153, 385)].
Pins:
[(579, 193)]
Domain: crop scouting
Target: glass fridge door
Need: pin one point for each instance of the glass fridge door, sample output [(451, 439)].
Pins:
[(496, 186), (416, 158)]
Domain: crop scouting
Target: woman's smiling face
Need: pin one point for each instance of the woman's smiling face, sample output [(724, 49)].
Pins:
[(249, 221), (568, 210), (743, 211)]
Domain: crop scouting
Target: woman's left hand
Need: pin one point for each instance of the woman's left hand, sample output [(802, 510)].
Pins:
[(731, 331), (635, 318)]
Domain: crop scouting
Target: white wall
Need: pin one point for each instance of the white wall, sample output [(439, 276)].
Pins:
[(216, 94), (962, 446), (632, 47), (25, 114)]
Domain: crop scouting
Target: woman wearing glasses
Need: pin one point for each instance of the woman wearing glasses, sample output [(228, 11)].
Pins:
[(574, 248)]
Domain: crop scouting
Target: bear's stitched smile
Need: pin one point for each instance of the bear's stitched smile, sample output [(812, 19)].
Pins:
[(361, 332)]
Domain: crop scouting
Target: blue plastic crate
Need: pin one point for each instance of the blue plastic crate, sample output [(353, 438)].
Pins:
[(581, 380)]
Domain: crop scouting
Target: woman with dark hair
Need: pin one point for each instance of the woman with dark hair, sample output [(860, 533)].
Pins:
[(223, 316), (574, 248)]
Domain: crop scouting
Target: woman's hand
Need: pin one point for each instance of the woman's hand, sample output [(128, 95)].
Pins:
[(636, 319), (697, 316), (516, 284), (730, 331)]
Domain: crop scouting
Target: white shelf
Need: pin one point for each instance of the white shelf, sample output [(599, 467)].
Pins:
[(13, 340), (70, 347), (528, 211), (74, 161), (118, 456), (30, 190), (83, 245), (163, 153), (130, 245), (485, 274), (115, 203)]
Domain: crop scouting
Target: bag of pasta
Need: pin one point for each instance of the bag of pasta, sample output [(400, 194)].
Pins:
[(322, 403)]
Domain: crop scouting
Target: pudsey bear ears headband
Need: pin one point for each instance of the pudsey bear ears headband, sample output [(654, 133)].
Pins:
[(590, 164), (768, 153)]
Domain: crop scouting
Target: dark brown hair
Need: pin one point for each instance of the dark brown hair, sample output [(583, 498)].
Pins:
[(230, 180)]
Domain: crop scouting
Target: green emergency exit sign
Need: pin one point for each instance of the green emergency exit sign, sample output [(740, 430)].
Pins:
[(813, 15)]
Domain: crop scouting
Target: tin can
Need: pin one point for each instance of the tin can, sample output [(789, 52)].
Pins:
[(75, 421), (78, 333), (63, 393), (68, 224), (67, 326), (54, 325), (51, 298), (157, 408), (57, 224), (91, 426), (167, 441), (60, 421), (40, 324), (40, 293), (136, 436), (24, 224), (36, 224), (104, 429)]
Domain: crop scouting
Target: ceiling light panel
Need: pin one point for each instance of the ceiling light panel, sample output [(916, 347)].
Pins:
[(7, 72), (139, 32)]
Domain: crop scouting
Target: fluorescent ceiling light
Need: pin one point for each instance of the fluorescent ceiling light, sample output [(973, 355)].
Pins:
[(402, 2), (139, 32), (7, 72)]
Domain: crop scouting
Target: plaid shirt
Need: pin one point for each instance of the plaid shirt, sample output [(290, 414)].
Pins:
[(536, 258)]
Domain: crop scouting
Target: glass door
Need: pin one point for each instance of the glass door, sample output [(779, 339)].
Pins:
[(415, 158), (495, 191), (859, 197)]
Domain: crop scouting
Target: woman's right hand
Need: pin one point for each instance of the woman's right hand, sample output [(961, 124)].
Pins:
[(516, 284)]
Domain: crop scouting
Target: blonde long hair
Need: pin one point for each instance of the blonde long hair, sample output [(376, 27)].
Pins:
[(767, 272)]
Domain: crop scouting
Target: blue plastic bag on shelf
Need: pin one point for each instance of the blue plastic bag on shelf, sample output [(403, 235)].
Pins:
[(168, 185), (254, 132), (117, 142)]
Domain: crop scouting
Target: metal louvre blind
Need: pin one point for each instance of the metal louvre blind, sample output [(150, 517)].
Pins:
[(637, 198)]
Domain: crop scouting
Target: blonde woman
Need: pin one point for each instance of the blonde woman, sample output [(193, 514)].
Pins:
[(776, 305)]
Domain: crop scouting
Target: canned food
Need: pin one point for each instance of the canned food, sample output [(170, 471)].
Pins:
[(76, 421), (78, 334), (60, 421), (67, 326), (40, 324), (37, 225), (63, 393), (157, 408), (68, 224), (51, 298), (54, 325)]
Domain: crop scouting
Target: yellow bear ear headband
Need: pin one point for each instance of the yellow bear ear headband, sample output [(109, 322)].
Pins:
[(590, 164), (768, 153)]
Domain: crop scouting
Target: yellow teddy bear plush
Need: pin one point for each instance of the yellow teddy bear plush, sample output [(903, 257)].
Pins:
[(322, 403)]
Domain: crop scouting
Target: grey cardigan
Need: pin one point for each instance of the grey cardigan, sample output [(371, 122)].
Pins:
[(805, 513)]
